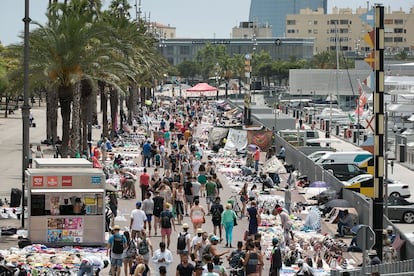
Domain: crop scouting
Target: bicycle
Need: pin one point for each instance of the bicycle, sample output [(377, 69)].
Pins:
[(235, 206)]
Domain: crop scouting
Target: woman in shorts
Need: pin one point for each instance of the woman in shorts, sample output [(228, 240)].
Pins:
[(197, 214)]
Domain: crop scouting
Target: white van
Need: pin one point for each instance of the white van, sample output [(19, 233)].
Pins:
[(350, 157), (314, 156)]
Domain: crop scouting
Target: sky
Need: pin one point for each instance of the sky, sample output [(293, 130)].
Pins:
[(192, 18)]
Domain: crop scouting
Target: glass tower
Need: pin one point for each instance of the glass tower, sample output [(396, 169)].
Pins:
[(273, 12)]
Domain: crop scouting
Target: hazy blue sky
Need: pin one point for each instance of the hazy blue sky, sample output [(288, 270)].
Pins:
[(192, 18)]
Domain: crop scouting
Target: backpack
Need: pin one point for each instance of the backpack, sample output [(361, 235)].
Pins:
[(206, 251), (215, 212), (118, 245), (182, 241), (165, 221), (143, 247), (132, 250)]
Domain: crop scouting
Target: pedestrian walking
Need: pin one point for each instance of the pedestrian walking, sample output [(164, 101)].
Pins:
[(144, 183), (197, 215), (275, 259), (117, 243), (162, 257), (148, 208), (228, 217), (167, 224), (137, 222)]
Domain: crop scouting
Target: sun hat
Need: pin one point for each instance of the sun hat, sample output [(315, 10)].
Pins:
[(116, 227), (185, 226), (200, 231)]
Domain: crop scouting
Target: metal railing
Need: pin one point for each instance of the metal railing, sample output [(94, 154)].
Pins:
[(403, 268)]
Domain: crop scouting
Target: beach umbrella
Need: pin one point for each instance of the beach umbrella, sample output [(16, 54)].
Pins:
[(319, 184), (252, 147)]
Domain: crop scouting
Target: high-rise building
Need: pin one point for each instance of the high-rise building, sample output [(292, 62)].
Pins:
[(273, 12)]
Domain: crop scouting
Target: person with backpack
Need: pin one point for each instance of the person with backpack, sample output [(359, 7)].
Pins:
[(145, 247), (167, 223), (183, 241), (216, 210), (211, 192), (130, 253), (117, 243)]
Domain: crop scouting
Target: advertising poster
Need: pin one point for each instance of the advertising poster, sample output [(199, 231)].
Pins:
[(65, 230)]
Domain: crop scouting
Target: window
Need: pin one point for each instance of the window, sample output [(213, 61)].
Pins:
[(290, 31), (398, 30), (291, 22), (309, 31), (398, 21), (333, 22), (184, 50), (398, 39), (315, 31), (344, 22), (315, 22), (343, 31), (388, 21), (388, 39)]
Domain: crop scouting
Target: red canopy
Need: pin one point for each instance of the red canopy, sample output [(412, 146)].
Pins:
[(202, 87)]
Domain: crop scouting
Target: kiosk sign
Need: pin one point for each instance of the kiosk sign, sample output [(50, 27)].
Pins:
[(37, 181), (66, 181), (52, 181)]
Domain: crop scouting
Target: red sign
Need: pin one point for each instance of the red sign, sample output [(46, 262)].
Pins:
[(66, 180), (52, 181), (37, 181)]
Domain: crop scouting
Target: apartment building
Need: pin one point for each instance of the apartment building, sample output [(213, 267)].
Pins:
[(346, 27)]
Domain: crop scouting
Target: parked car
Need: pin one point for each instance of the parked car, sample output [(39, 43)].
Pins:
[(343, 171), (395, 188), (400, 209)]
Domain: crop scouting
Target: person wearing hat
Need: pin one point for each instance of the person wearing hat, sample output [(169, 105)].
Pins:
[(117, 243), (212, 249), (162, 257), (390, 233), (286, 225), (183, 241), (137, 222), (194, 242), (275, 258), (373, 258)]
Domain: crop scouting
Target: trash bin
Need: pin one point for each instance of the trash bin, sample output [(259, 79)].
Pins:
[(402, 152), (337, 130), (15, 197)]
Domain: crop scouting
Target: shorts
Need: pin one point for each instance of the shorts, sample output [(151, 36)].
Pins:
[(116, 262), (216, 221), (166, 231), (157, 212), (189, 198), (149, 217), (210, 199), (136, 233)]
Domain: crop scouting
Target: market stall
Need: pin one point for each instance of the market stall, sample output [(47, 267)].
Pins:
[(66, 206)]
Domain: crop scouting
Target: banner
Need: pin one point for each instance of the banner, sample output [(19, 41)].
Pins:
[(216, 135), (236, 139), (261, 138)]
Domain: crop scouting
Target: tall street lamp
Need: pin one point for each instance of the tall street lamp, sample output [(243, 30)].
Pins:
[(26, 106), (217, 80)]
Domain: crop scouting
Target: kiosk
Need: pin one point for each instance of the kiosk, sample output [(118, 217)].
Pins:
[(40, 163), (66, 206)]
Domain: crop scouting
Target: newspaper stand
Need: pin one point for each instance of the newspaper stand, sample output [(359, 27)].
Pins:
[(66, 206)]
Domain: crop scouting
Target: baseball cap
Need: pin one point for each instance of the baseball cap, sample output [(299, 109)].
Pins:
[(138, 204), (214, 238), (279, 209)]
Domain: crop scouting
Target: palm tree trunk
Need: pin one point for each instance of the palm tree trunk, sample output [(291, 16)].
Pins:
[(86, 114), (76, 130), (51, 114), (104, 108), (65, 100), (114, 102), (131, 104)]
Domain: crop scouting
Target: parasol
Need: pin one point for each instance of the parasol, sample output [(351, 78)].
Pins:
[(319, 184), (252, 147)]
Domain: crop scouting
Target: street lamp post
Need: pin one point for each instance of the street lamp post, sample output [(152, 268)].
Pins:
[(217, 80), (26, 106)]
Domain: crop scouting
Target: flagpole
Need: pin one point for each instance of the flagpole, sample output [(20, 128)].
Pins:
[(357, 106)]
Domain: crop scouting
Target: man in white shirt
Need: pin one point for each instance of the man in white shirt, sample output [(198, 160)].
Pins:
[(162, 257), (195, 241), (138, 218)]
